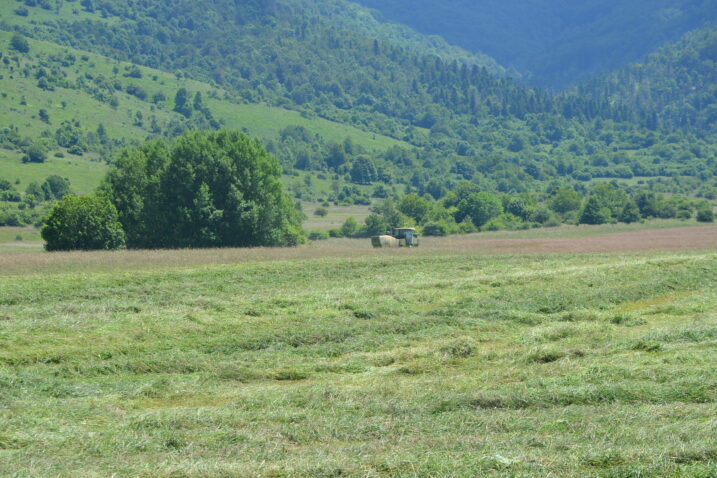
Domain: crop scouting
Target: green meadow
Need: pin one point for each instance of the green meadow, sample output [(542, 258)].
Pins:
[(84, 175), (379, 364)]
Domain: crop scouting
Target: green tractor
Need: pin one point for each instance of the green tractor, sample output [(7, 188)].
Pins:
[(398, 237)]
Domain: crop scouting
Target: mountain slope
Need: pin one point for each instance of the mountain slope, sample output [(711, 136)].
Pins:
[(554, 43), (675, 87), (450, 118)]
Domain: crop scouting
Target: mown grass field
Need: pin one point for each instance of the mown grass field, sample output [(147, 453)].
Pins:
[(381, 364)]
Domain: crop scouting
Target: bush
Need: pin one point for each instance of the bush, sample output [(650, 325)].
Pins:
[(34, 154), (540, 214), (505, 221), (706, 214), (434, 229), (5, 185), (56, 187), (321, 212), (318, 236), (349, 227), (10, 196), (594, 213), (481, 207), (76, 149), (83, 223), (10, 219), (467, 226), (19, 43), (137, 91)]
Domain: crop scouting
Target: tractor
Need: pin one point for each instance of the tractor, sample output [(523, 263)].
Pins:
[(398, 237)]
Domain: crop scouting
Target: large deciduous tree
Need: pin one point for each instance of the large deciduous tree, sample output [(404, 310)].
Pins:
[(207, 189), (480, 207)]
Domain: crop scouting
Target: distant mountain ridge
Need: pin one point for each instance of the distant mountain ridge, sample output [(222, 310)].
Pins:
[(554, 43)]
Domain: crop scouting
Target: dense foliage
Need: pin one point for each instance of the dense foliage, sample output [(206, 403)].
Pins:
[(467, 209), (206, 189), (676, 87), (83, 223)]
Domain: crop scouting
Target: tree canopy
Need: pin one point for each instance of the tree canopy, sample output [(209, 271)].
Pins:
[(206, 189)]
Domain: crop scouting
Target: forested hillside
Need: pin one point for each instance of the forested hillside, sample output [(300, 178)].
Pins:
[(451, 116), (554, 43), (675, 87)]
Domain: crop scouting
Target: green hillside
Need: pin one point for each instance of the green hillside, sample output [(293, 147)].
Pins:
[(84, 175), (80, 96), (72, 95), (334, 93)]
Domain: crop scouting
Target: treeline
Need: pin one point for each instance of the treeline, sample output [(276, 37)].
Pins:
[(468, 209)]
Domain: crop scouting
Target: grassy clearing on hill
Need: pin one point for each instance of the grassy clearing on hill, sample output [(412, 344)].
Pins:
[(394, 363), (336, 216), (18, 234), (84, 175)]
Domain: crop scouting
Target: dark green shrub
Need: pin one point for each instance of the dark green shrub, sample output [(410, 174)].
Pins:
[(434, 229), (594, 213), (706, 214), (55, 187), (318, 236), (10, 196), (34, 154), (349, 227), (83, 223), (19, 43)]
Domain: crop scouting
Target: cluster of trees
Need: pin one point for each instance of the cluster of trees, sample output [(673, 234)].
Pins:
[(206, 189), (468, 209)]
